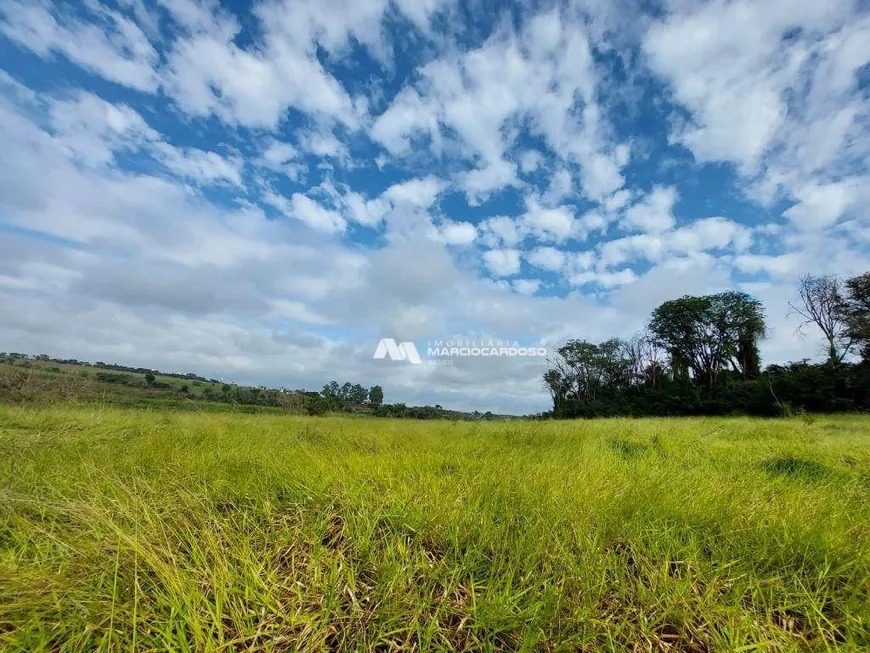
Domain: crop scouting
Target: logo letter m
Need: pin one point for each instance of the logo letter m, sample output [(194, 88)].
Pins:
[(402, 351)]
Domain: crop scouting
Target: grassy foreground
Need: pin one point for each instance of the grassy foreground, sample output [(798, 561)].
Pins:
[(137, 531)]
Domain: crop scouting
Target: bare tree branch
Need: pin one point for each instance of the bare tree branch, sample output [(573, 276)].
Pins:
[(821, 304)]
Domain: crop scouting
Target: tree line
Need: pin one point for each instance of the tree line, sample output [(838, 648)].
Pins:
[(700, 355)]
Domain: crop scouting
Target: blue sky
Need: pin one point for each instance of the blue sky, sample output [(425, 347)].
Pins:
[(262, 190)]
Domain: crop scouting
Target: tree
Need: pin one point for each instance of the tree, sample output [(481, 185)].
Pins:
[(557, 385), (821, 304), (578, 369), (857, 313), (705, 335), (376, 395), (331, 390), (742, 320), (645, 360), (149, 379), (582, 370), (357, 395)]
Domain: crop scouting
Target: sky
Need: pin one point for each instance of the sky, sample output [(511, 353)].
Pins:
[(261, 190)]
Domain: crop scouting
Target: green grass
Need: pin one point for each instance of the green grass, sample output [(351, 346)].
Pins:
[(131, 530)]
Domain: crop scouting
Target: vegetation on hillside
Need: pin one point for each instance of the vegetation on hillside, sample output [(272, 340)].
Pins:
[(43, 380)]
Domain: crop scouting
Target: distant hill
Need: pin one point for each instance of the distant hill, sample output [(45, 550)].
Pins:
[(41, 379)]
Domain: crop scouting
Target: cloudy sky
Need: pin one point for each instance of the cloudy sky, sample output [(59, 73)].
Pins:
[(260, 190)]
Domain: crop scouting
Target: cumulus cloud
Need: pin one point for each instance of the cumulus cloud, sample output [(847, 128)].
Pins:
[(314, 215), (693, 240), (502, 262), (822, 205), (207, 73), (501, 229), (526, 286), (555, 224), (771, 86), (547, 258), (458, 233), (654, 213), (536, 74), (415, 192)]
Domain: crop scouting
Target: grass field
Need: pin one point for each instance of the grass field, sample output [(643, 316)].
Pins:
[(137, 531)]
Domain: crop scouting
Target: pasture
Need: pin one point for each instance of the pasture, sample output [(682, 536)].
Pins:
[(139, 530)]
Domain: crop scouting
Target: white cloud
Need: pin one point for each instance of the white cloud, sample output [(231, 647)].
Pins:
[(547, 258), (561, 187), (690, 241), (529, 161), (481, 182), (421, 193), (601, 176), (200, 166), (721, 59), (771, 86), (278, 153), (406, 117), (709, 233), (367, 212), (91, 129), (538, 74), (315, 215), (282, 158), (421, 12), (618, 200), (556, 224), (112, 46), (604, 279), (783, 264), (196, 16), (296, 311), (306, 210), (502, 262), (631, 248), (501, 230), (526, 286), (821, 206), (458, 233), (207, 73), (653, 214), (324, 144)]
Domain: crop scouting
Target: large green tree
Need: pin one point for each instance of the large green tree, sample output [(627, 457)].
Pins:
[(376, 395), (706, 335), (857, 312)]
